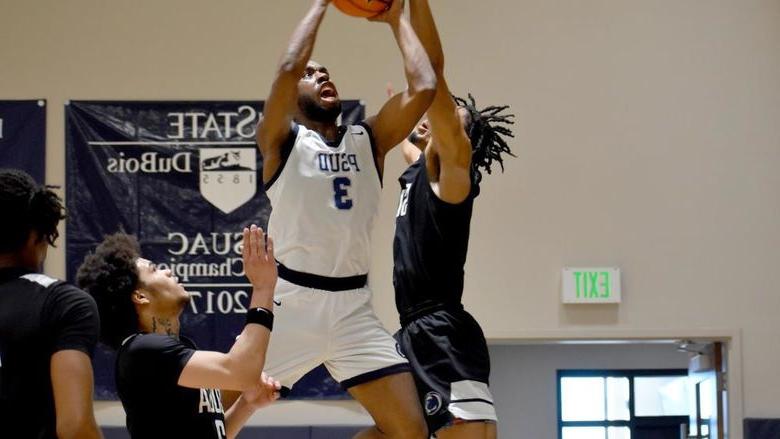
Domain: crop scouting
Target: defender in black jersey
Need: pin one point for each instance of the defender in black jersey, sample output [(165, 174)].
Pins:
[(168, 388), (443, 343), (48, 329)]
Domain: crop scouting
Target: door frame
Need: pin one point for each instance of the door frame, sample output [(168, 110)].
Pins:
[(731, 339)]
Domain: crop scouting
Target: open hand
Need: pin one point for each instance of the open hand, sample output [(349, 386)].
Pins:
[(258, 256)]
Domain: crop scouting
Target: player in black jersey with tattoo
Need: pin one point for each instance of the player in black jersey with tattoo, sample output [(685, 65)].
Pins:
[(444, 344), (168, 388), (48, 329)]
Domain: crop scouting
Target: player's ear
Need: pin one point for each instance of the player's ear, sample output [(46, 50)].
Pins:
[(139, 297)]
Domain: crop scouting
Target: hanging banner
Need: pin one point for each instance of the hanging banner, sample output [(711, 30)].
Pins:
[(23, 137), (185, 178)]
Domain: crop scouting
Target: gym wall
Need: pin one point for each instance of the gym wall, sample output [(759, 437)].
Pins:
[(647, 139)]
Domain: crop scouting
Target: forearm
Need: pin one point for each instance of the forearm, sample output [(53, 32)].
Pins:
[(86, 429), (425, 27), (247, 355), (236, 417), (417, 66), (410, 152), (302, 41)]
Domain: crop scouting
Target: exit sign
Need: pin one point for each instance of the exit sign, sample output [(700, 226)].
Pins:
[(591, 285)]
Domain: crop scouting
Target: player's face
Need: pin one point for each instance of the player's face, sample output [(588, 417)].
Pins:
[(317, 95), (162, 286), (421, 135)]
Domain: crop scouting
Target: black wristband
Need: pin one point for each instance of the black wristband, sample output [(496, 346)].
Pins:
[(260, 316)]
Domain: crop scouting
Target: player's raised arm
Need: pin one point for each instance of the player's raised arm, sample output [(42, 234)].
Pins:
[(240, 368), (274, 127), (449, 140), (425, 27), (400, 114)]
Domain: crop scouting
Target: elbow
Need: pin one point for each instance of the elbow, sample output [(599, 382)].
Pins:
[(247, 377), (427, 91), (429, 84), (83, 427), (425, 87), (291, 63), (287, 67), (437, 63)]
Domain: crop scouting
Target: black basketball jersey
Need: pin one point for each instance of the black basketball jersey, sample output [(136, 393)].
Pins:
[(148, 367), (430, 244), (39, 316)]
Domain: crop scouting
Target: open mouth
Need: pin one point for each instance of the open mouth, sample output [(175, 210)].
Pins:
[(328, 92)]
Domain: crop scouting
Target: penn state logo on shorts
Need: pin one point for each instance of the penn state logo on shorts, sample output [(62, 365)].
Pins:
[(433, 403), (398, 349), (228, 176)]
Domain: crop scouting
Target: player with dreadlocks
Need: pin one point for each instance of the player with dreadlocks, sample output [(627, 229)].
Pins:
[(444, 344), (48, 329)]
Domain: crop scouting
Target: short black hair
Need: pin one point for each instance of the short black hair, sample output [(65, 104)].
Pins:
[(27, 207), (486, 130), (110, 276)]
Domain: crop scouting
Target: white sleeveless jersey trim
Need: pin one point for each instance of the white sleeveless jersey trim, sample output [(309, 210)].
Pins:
[(324, 202), (40, 279)]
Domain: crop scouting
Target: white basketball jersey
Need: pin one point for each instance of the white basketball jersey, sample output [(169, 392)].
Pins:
[(324, 202)]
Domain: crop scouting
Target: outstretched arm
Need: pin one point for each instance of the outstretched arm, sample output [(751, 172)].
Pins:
[(240, 368), (449, 140), (399, 115), (274, 127)]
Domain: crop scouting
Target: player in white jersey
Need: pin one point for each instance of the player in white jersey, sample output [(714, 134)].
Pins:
[(324, 183)]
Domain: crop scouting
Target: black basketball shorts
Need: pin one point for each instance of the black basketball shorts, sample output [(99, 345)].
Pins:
[(449, 358)]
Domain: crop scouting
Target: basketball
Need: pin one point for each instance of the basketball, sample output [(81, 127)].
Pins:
[(362, 8)]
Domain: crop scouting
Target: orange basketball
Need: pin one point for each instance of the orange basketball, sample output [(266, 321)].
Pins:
[(362, 8)]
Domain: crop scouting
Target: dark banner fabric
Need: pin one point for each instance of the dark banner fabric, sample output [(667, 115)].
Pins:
[(23, 137), (185, 178)]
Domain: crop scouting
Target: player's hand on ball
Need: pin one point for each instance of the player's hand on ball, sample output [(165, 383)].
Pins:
[(258, 256), (263, 393), (392, 14)]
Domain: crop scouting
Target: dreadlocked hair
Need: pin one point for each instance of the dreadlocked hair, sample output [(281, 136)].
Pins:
[(27, 207), (110, 276), (486, 130)]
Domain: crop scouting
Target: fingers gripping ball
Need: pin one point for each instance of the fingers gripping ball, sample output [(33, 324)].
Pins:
[(362, 8)]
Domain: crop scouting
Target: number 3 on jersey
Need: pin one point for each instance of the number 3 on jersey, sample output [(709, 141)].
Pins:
[(340, 185)]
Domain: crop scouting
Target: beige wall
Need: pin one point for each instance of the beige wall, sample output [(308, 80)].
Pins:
[(648, 136)]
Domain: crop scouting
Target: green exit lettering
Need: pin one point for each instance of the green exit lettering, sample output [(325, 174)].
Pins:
[(592, 284)]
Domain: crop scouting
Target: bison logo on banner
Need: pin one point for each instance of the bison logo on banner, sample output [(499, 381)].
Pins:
[(228, 176)]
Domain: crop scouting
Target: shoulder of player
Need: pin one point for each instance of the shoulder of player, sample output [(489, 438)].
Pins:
[(145, 345), (270, 147), (40, 279), (63, 293), (58, 291), (426, 180)]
